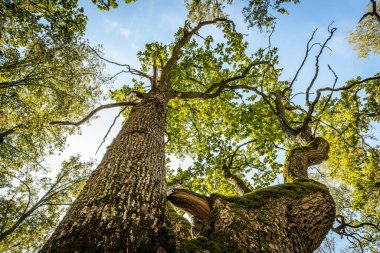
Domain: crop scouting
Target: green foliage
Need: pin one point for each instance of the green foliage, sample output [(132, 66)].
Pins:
[(108, 4), (256, 12), (366, 35), (32, 203), (47, 73)]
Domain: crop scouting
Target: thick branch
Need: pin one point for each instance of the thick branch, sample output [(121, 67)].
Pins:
[(301, 158), (236, 181), (195, 204), (187, 35), (69, 123)]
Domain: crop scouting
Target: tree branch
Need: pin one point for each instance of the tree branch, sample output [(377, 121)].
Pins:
[(316, 73), (109, 129), (130, 70), (219, 87), (303, 62), (372, 13), (69, 123), (187, 35)]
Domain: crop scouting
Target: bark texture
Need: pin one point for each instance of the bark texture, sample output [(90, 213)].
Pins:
[(236, 181), (122, 207), (299, 159), (293, 217), (286, 218)]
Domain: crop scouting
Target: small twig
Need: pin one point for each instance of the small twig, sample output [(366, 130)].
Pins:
[(328, 99), (109, 129), (316, 73)]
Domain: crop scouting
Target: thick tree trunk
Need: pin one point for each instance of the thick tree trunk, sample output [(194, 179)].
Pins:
[(123, 205)]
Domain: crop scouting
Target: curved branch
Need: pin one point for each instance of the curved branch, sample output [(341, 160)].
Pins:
[(299, 159), (195, 204), (107, 106)]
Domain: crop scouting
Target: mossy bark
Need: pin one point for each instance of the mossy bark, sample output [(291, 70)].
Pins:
[(122, 208), (287, 218), (293, 217)]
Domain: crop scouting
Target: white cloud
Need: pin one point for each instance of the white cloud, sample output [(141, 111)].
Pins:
[(113, 25)]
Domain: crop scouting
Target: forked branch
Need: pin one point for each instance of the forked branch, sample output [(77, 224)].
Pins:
[(187, 35), (130, 70)]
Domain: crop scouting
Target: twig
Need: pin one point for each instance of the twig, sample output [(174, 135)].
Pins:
[(107, 106), (109, 129)]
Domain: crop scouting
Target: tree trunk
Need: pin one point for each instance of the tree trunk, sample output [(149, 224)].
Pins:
[(122, 208)]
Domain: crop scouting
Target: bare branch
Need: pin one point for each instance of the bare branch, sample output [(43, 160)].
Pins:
[(130, 70), (303, 62), (109, 129), (347, 87), (107, 106), (316, 73)]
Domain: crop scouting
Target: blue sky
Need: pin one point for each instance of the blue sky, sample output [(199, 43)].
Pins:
[(125, 30)]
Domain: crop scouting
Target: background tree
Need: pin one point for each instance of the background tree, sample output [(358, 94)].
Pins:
[(47, 72), (365, 36)]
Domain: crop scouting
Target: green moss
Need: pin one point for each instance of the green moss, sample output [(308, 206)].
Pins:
[(213, 245), (258, 198)]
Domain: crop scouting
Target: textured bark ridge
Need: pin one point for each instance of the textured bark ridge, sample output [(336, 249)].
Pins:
[(301, 158), (292, 217), (123, 205)]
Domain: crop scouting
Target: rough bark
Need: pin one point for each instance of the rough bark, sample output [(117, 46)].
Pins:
[(122, 207), (301, 158), (293, 217), (286, 218), (236, 181)]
